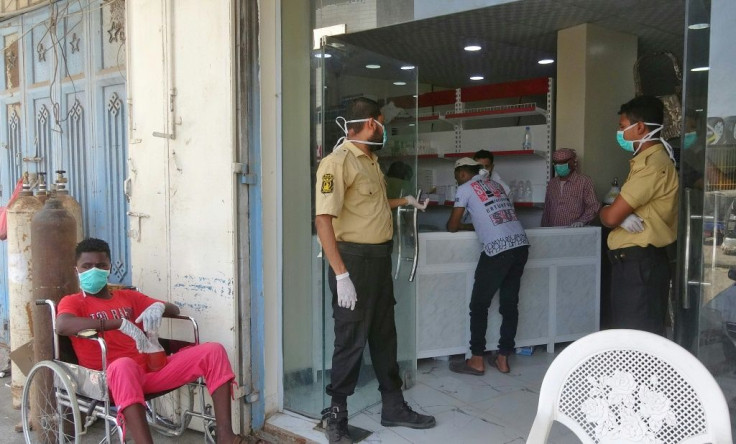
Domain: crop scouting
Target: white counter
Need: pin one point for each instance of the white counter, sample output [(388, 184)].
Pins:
[(559, 299)]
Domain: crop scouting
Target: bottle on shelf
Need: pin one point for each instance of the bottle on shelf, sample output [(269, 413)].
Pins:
[(528, 190), (527, 144), (517, 190), (612, 193)]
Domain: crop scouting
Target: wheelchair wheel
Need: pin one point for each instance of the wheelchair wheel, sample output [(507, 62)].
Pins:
[(49, 410), (165, 413)]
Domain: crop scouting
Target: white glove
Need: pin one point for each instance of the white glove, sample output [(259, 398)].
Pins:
[(346, 295), (576, 225), (151, 316), (633, 224), (135, 333), (411, 200)]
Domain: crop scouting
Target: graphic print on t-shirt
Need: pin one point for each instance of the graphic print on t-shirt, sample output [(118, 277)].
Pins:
[(492, 215), (115, 313), (498, 207)]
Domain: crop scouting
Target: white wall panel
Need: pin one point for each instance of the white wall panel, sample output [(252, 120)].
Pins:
[(184, 187)]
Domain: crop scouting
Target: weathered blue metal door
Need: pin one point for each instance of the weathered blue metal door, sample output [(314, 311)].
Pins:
[(62, 107)]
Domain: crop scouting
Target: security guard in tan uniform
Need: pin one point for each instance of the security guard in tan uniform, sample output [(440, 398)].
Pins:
[(353, 222), (644, 220)]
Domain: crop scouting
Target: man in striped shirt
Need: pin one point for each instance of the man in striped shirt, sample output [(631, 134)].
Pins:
[(570, 199)]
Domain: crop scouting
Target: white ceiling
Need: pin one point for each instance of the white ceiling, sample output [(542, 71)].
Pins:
[(515, 35)]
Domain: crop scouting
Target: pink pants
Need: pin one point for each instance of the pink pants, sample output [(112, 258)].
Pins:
[(128, 381)]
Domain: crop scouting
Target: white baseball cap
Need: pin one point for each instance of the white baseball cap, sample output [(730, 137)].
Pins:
[(466, 161)]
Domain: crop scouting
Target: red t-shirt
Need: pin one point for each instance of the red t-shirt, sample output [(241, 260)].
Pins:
[(128, 304)]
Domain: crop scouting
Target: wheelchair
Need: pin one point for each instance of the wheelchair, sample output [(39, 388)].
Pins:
[(62, 400)]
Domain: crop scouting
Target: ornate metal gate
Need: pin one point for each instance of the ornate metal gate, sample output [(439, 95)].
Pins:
[(62, 107)]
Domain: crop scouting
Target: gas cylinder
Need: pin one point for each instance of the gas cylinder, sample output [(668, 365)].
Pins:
[(68, 202), (20, 284), (42, 191), (612, 193), (53, 239)]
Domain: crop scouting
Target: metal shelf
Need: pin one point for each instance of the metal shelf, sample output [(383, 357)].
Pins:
[(542, 154)]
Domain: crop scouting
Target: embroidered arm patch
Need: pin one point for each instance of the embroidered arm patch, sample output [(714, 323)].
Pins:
[(328, 185)]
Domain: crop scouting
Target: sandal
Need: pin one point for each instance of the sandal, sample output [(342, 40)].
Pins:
[(493, 360), (463, 367)]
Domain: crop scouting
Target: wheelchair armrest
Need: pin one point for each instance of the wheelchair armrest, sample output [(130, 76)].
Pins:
[(195, 326), (93, 335)]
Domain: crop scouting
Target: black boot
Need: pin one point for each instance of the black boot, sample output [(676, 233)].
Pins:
[(396, 412), (336, 428)]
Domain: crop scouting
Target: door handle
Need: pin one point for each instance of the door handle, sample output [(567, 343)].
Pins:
[(686, 282), (416, 241), (399, 210), (716, 203)]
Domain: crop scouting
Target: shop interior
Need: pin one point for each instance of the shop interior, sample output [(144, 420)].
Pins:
[(518, 79)]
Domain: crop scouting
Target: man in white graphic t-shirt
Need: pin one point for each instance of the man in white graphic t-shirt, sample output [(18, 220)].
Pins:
[(501, 263)]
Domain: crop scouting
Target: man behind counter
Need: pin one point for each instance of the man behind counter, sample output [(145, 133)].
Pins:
[(501, 263), (485, 158), (570, 199), (644, 220)]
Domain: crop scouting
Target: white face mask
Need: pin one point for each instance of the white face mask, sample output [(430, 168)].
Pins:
[(344, 128)]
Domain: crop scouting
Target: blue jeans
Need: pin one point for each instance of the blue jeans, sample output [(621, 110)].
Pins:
[(502, 271)]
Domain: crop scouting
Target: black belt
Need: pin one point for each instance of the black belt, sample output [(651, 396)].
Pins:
[(368, 250), (636, 253)]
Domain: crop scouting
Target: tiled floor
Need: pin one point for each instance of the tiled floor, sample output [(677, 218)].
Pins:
[(493, 408)]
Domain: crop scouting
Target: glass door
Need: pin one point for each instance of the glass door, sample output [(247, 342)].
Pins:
[(706, 296), (345, 72)]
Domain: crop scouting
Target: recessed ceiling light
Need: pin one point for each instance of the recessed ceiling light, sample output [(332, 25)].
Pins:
[(476, 77), (411, 124), (700, 68), (472, 48), (407, 67), (373, 66), (399, 83), (546, 61), (326, 55), (696, 26)]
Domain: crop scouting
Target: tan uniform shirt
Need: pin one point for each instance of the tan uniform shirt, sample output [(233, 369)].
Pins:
[(351, 187), (652, 191)]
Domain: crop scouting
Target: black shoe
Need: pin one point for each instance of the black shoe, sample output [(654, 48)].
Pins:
[(403, 415), (336, 428)]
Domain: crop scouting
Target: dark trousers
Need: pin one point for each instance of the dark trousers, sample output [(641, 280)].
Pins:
[(372, 321), (640, 283), (502, 271)]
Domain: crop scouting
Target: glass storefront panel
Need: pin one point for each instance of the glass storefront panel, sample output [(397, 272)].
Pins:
[(706, 315), (339, 73), (345, 72)]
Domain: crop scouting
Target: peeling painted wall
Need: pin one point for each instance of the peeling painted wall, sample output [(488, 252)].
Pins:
[(183, 189)]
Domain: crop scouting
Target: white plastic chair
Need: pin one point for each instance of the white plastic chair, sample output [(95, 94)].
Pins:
[(630, 386)]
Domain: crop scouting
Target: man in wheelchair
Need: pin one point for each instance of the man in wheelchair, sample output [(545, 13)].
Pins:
[(118, 316)]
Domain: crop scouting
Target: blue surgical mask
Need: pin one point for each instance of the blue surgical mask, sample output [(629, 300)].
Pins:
[(375, 146), (689, 139), (628, 145), (562, 170), (93, 280), (385, 135)]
